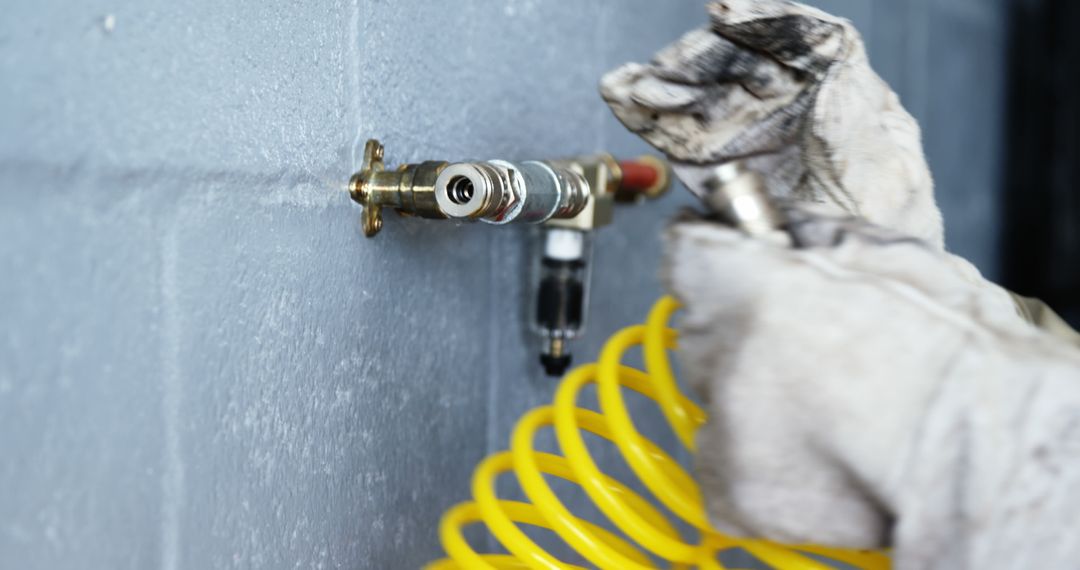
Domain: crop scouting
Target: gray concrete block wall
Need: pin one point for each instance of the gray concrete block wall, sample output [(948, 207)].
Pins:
[(203, 364)]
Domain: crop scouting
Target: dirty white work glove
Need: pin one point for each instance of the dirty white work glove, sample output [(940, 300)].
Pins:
[(789, 90), (868, 394)]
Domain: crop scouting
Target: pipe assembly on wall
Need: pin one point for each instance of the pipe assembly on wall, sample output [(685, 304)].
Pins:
[(568, 198), (579, 191)]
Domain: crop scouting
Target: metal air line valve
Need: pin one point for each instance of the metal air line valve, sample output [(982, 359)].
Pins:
[(568, 198)]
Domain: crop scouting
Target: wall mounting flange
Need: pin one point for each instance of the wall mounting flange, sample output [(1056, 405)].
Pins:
[(410, 189)]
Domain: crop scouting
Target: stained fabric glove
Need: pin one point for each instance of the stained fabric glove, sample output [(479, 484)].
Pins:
[(867, 393)]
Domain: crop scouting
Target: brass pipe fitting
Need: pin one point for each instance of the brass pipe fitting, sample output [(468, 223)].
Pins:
[(492, 191)]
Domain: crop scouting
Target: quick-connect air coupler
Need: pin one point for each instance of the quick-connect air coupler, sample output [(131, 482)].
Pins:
[(493, 191), (500, 192)]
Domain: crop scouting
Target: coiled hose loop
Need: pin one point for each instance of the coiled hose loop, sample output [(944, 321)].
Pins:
[(645, 533)]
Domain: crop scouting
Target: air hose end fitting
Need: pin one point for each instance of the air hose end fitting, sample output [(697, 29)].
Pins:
[(501, 192), (493, 191)]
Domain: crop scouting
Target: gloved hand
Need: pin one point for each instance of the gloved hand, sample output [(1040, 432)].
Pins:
[(865, 392), (873, 390)]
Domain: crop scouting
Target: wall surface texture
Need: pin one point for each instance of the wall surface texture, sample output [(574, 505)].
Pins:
[(202, 362)]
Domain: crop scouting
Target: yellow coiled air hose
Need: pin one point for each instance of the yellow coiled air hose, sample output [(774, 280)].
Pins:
[(636, 517)]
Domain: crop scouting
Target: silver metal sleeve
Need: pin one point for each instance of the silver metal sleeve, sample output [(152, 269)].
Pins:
[(499, 192), (547, 192)]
